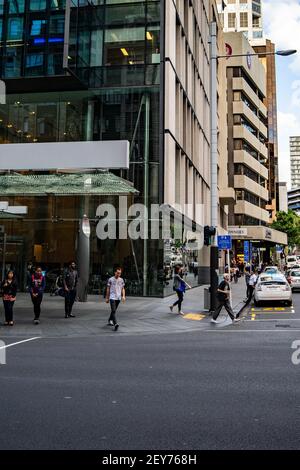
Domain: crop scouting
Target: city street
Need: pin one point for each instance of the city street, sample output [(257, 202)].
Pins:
[(210, 387)]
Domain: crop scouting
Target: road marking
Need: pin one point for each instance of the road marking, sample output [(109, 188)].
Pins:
[(19, 342), (253, 316), (194, 316), (226, 330)]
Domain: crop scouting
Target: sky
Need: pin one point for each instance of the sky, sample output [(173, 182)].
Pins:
[(282, 26)]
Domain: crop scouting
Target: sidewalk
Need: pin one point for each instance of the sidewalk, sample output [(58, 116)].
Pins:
[(138, 315)]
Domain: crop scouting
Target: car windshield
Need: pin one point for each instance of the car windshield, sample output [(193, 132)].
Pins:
[(271, 270), (273, 282), (295, 273)]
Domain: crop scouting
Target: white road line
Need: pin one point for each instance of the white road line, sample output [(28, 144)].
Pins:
[(19, 342), (276, 330)]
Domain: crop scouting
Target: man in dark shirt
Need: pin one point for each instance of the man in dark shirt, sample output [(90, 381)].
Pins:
[(223, 296), (70, 283)]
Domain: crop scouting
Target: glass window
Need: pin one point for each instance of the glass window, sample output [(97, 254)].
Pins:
[(38, 27), (15, 29), (37, 5), (13, 62), (16, 6), (96, 48), (124, 46), (153, 44), (34, 64)]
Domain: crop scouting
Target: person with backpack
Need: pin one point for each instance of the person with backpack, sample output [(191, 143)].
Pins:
[(179, 287), (9, 292), (37, 287)]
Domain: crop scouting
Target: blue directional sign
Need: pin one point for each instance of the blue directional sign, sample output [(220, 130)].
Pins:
[(224, 242), (246, 251)]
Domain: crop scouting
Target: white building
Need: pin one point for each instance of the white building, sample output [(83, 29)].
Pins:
[(242, 15), (295, 161)]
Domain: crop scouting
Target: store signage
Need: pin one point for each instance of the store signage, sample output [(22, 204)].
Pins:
[(246, 251), (237, 232), (268, 234), (65, 155)]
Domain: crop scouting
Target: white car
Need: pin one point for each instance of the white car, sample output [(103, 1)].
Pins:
[(294, 279), (271, 270), (291, 261), (272, 287)]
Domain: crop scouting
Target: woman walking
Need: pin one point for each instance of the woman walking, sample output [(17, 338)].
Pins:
[(38, 284), (9, 292), (179, 287)]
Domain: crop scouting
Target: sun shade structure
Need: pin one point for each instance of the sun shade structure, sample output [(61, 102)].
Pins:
[(99, 184), (8, 215)]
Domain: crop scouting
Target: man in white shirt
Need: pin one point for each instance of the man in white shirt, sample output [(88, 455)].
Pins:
[(115, 292)]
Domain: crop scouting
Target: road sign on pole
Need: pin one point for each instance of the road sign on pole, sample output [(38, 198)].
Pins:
[(224, 242)]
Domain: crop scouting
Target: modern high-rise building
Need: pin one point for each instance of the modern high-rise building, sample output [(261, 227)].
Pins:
[(242, 15), (295, 161), (248, 152), (107, 99)]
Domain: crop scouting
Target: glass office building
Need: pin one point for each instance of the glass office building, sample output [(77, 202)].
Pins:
[(82, 71)]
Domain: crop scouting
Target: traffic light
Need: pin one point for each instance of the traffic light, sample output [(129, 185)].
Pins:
[(208, 233)]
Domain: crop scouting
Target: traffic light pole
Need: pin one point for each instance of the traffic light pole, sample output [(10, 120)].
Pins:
[(214, 252)]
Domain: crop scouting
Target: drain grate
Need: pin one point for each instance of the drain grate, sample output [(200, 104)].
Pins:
[(282, 326)]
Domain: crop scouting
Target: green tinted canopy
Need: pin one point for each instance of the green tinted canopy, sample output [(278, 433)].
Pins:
[(99, 184)]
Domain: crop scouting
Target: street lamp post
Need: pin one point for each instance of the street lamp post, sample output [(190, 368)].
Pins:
[(214, 57)]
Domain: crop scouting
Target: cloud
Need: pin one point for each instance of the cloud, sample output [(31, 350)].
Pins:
[(282, 25), (289, 125)]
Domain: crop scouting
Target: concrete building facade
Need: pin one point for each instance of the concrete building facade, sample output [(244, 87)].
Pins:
[(295, 161), (242, 15)]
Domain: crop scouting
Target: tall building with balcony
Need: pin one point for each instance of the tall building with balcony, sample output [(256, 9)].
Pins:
[(295, 161), (242, 15), (246, 16), (78, 72), (248, 153)]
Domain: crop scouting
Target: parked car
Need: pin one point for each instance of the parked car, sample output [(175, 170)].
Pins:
[(293, 279), (272, 287)]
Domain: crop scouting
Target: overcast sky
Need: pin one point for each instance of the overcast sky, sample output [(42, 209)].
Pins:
[(282, 26)]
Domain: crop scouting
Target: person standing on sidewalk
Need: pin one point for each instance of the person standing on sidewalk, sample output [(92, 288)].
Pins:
[(115, 292), (38, 284), (70, 281), (223, 296), (179, 287), (251, 286), (9, 292)]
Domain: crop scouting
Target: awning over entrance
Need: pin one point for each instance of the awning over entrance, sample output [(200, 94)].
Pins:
[(99, 184), (8, 215)]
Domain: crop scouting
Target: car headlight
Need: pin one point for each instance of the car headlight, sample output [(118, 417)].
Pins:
[(258, 288), (287, 287)]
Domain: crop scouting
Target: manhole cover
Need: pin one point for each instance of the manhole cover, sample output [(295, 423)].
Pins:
[(282, 326)]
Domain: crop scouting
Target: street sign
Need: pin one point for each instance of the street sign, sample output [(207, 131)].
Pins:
[(224, 242), (246, 251)]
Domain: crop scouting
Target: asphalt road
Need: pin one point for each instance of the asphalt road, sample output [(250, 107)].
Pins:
[(230, 388)]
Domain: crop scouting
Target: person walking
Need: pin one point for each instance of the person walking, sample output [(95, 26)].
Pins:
[(9, 292), (251, 286), (223, 296), (37, 287), (115, 292), (179, 287), (70, 283), (247, 279)]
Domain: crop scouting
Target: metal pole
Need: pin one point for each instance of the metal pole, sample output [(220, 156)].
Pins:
[(214, 252), (146, 191), (3, 257)]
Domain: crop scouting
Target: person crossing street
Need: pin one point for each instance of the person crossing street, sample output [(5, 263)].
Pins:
[(223, 296), (115, 292)]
